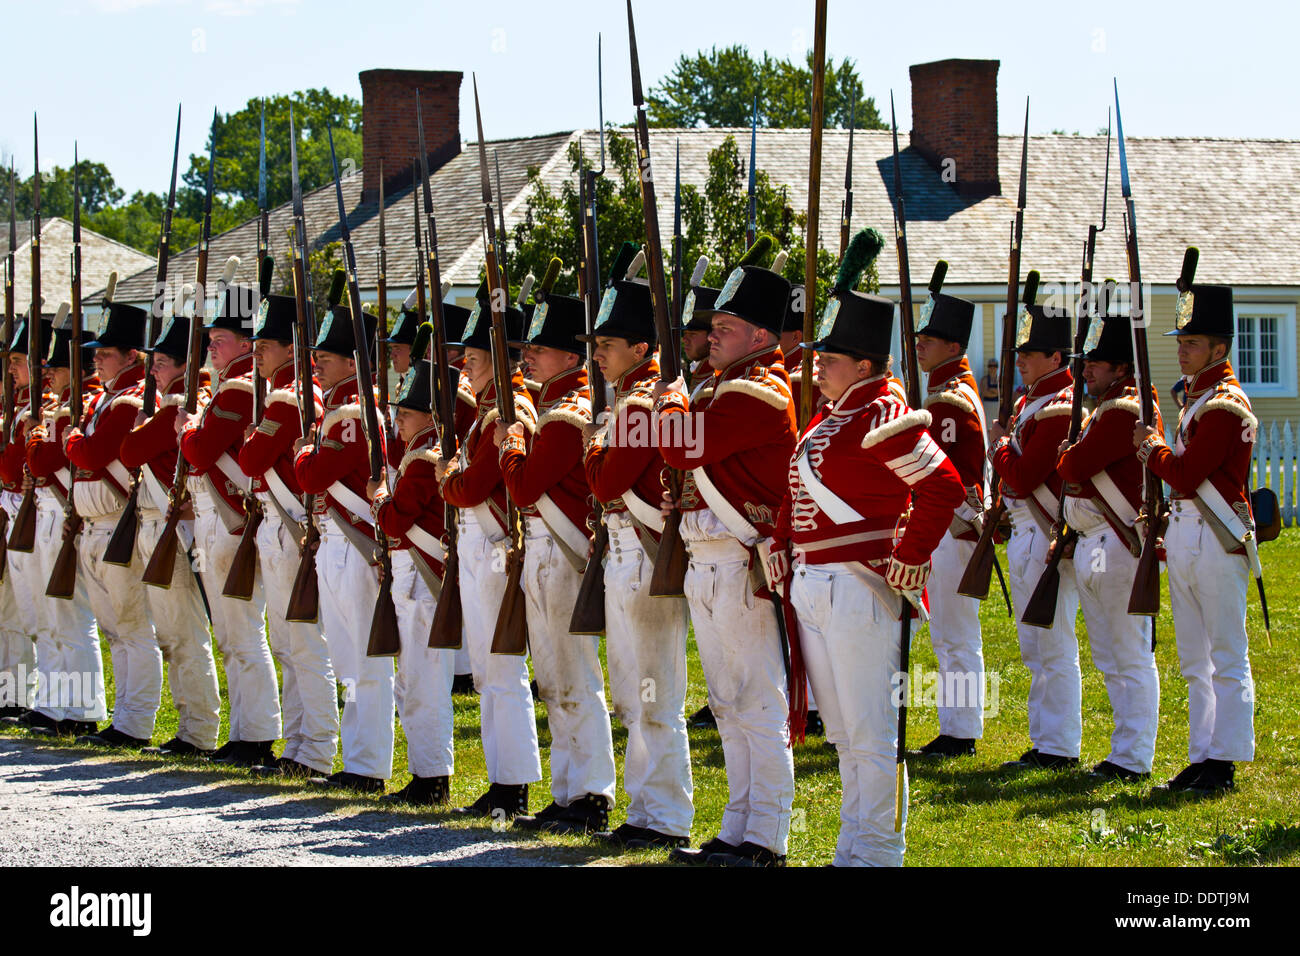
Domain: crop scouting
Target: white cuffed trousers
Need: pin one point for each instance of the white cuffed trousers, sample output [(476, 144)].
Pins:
[(955, 636), (424, 676)]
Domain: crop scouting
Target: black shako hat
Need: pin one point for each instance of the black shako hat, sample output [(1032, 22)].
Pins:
[(756, 295), (21, 342), (1109, 339), (403, 330), (794, 310), (477, 332), (1040, 329), (556, 322), (1205, 310), (336, 336), (625, 313), (416, 391), (697, 309), (120, 327), (174, 339), (236, 310), (60, 354), (276, 317), (947, 317), (856, 324), (454, 320)]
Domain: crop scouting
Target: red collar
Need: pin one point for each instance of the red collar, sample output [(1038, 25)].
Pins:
[(741, 367), (342, 393), (238, 367), (1051, 383), (129, 376), (648, 367), (861, 394), (425, 437), (1210, 376), (556, 388), (953, 368), (487, 399), (284, 376)]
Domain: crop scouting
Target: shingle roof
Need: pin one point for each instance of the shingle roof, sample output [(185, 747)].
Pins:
[(99, 256), (1234, 198)]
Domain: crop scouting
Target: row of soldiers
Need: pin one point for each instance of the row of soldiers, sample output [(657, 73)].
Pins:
[(806, 550)]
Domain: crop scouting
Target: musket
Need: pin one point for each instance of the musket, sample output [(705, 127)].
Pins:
[(812, 241), (23, 535), (62, 582), (1040, 610), (1144, 599), (304, 596), (670, 564), (979, 569), (385, 640), (678, 293), (122, 543), (162, 563), (501, 227), (846, 204), (448, 615), (8, 407), (589, 609), (241, 579), (381, 290), (751, 226), (511, 633)]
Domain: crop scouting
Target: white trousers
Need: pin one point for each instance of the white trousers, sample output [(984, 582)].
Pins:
[(121, 608), (239, 627), (1207, 591), (424, 676), (740, 653), (21, 625), (72, 674), (310, 697), (181, 626), (1104, 570), (955, 636), (506, 716), (850, 645), (569, 677), (349, 588), (1051, 654), (645, 647)]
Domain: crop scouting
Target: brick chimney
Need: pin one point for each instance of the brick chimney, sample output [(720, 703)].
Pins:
[(388, 124), (955, 122)]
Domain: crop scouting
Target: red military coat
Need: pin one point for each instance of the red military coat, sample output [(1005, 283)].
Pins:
[(1027, 460), (957, 425), (415, 500), (342, 455), (271, 444)]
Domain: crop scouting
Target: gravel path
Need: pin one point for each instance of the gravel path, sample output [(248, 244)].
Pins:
[(67, 806)]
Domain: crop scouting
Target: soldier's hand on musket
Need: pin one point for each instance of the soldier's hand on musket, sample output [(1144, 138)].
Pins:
[(377, 490), (501, 432), (184, 420), (1141, 433), (441, 467), (590, 429), (28, 483), (70, 432), (996, 432), (1062, 448), (248, 432), (668, 504), (676, 385), (306, 440), (776, 565)]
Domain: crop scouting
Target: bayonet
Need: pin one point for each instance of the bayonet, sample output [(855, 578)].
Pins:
[(846, 205), (751, 228)]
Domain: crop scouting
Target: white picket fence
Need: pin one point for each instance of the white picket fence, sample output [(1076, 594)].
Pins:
[(1275, 466)]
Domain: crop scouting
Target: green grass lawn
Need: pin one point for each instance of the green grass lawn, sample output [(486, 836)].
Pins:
[(968, 812)]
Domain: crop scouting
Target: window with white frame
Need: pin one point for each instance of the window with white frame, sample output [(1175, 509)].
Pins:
[(1264, 349)]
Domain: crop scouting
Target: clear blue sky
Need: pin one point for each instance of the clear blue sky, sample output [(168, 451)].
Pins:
[(110, 72)]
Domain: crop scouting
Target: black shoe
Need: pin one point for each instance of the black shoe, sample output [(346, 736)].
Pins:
[(284, 767), (221, 752), (538, 821), (12, 713), (110, 736), (703, 718), (1216, 777), (1034, 759), (510, 799), (532, 687), (1113, 771), (654, 840), (346, 780), (177, 748), (747, 854), (700, 856), (813, 725), (463, 684), (588, 814), (248, 753), (946, 746), (423, 792), (35, 720), (74, 728), (1184, 779)]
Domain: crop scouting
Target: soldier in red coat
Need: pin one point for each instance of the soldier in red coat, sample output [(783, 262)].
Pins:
[(792, 348), (210, 442), (1025, 460), (412, 518), (179, 619), (99, 489), (734, 439), (309, 698), (472, 482), (645, 636), (335, 467), (698, 306), (72, 638), (870, 496), (957, 426), (1103, 492), (543, 474), (1210, 542)]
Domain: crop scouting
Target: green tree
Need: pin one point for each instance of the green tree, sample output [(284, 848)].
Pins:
[(717, 88)]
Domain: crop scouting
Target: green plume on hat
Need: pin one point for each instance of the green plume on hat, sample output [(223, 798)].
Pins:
[(421, 344), (757, 253), (623, 260), (336, 287), (552, 274), (862, 251)]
